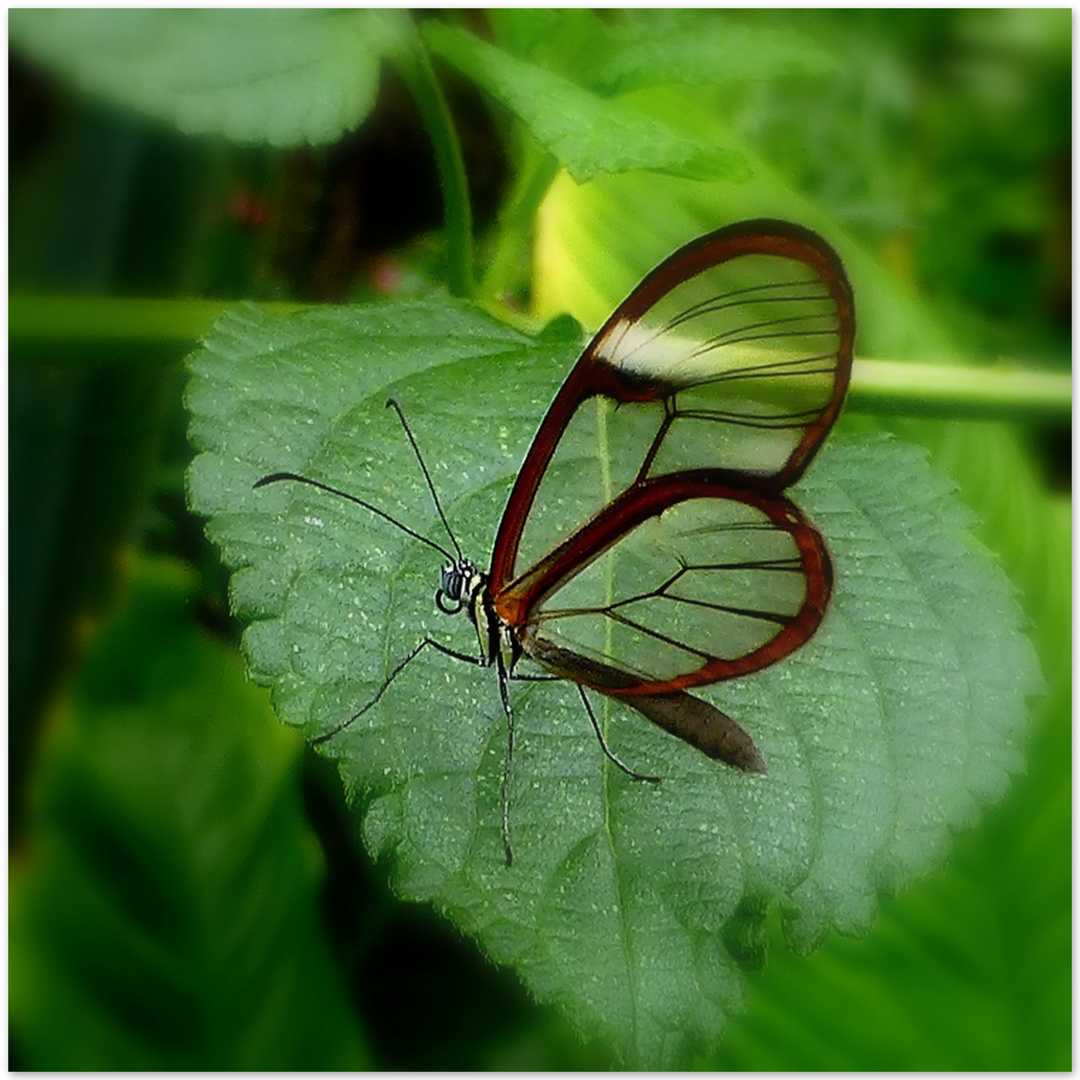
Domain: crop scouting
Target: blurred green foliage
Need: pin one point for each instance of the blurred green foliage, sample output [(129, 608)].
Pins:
[(161, 861), (171, 853)]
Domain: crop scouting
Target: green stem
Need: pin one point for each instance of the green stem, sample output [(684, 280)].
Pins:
[(517, 222), (79, 320), (877, 386), (1013, 393), (415, 68)]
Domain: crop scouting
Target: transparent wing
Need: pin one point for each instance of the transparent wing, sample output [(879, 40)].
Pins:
[(729, 363), (675, 586)]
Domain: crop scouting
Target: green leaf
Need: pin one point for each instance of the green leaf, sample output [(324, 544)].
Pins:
[(654, 47), (696, 48), (630, 906), (165, 913), (284, 77), (571, 41), (587, 133)]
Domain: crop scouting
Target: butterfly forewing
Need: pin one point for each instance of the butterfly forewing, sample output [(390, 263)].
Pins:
[(727, 358)]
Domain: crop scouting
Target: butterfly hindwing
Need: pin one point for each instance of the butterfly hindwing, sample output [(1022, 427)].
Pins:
[(716, 583)]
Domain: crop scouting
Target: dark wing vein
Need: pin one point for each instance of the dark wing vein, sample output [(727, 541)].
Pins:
[(727, 337), (724, 301), (779, 421), (617, 616)]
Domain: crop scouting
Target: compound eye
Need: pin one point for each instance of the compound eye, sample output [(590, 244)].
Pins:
[(445, 607), (452, 580)]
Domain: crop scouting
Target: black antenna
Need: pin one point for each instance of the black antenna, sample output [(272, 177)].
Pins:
[(273, 478), (392, 402)]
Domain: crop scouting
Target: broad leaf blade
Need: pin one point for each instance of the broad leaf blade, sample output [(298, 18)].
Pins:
[(640, 47), (627, 904), (701, 48), (587, 133), (284, 77)]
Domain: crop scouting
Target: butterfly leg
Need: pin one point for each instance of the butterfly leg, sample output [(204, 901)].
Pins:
[(504, 693), (391, 677), (604, 746)]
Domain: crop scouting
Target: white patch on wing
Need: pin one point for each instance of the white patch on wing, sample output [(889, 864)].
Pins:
[(644, 351)]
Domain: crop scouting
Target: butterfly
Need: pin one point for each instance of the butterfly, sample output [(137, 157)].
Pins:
[(648, 546)]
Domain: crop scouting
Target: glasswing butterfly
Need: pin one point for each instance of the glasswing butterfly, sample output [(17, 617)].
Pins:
[(679, 561)]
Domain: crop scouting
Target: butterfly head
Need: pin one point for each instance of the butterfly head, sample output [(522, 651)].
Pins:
[(459, 582)]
